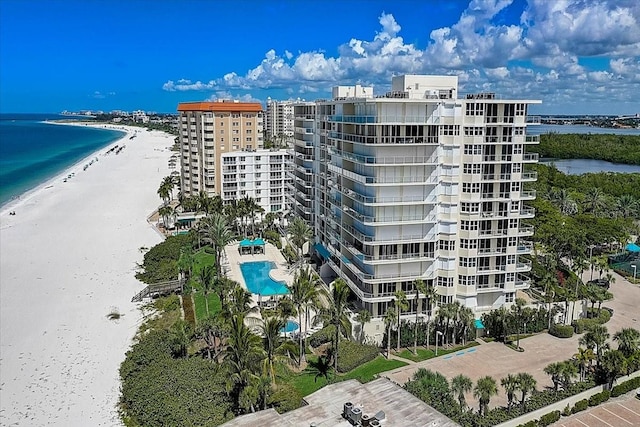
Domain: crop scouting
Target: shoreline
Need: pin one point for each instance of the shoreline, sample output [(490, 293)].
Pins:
[(69, 258), (14, 202)]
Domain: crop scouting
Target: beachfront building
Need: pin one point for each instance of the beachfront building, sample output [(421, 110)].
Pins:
[(420, 183), (207, 131), (305, 173), (260, 174), (279, 127)]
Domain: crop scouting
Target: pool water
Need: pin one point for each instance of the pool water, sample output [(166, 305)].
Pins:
[(291, 326), (256, 276)]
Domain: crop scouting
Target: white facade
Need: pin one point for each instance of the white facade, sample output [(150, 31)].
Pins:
[(261, 175), (279, 120), (420, 184)]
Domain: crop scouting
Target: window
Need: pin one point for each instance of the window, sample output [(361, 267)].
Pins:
[(467, 262), (474, 109), (468, 225), (447, 245), (236, 124), (515, 186), (513, 241), (445, 281), (473, 131), (511, 259), (468, 207), (472, 149), (450, 130), (509, 297), (471, 168), (517, 148), (468, 187), (513, 223), (466, 280), (247, 123), (468, 243), (248, 130), (511, 277), (516, 167), (521, 109)]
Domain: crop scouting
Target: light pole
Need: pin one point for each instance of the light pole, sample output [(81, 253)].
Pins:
[(591, 260), (438, 333)]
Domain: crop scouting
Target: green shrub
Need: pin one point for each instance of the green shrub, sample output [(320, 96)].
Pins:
[(561, 331), (160, 263), (209, 250), (532, 423), (168, 303), (567, 411), (580, 405), (290, 254), (189, 312), (598, 398), (548, 419), (581, 325), (351, 355), (625, 387), (323, 336), (273, 237)]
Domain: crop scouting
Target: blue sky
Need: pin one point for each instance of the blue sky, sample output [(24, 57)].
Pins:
[(578, 56)]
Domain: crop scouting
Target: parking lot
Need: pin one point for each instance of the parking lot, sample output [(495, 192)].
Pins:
[(622, 411)]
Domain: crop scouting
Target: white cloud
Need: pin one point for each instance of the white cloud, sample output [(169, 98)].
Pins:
[(225, 95), (541, 56)]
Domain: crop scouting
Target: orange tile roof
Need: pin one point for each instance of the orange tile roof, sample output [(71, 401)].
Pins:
[(220, 106)]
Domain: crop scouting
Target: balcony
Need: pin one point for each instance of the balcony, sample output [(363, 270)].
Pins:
[(532, 139), (529, 176), (527, 212), (523, 266), (528, 195), (524, 248), (387, 200), (533, 120), (374, 160), (394, 219), (494, 233), (525, 230), (530, 157)]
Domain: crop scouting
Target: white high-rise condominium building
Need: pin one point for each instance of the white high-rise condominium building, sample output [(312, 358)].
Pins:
[(421, 184), (279, 126)]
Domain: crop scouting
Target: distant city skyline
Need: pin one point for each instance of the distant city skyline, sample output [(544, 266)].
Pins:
[(579, 57)]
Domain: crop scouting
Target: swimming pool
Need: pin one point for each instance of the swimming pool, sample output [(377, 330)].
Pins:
[(256, 276), (291, 326)]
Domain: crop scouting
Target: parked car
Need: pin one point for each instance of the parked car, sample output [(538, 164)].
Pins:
[(603, 283)]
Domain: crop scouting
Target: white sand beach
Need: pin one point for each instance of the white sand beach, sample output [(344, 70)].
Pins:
[(67, 257)]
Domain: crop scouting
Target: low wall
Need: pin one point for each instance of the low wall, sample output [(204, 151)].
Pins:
[(559, 406)]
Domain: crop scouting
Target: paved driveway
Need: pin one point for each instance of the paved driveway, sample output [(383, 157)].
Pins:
[(497, 360)]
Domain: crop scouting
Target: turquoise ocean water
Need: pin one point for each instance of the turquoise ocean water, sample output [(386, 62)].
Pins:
[(31, 152)]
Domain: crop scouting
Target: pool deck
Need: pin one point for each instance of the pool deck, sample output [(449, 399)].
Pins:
[(234, 259)]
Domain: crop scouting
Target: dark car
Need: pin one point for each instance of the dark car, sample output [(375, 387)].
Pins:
[(603, 283)]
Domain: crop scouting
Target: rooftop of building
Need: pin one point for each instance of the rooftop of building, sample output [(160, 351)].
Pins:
[(226, 106), (325, 407)]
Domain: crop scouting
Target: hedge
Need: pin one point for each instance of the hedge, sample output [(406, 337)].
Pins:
[(532, 423), (561, 331), (323, 336), (582, 325), (580, 405), (598, 398), (548, 419), (351, 355), (189, 313), (273, 237), (625, 387)]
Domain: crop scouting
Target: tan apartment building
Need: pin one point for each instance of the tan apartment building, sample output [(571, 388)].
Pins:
[(210, 129)]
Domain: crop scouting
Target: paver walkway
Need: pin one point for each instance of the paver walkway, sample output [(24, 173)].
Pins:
[(497, 360)]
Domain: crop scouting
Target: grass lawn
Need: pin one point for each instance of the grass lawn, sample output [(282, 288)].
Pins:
[(201, 309), (306, 383), (200, 259), (424, 354)]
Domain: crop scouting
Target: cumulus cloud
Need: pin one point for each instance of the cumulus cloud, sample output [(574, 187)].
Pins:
[(539, 56), (226, 95)]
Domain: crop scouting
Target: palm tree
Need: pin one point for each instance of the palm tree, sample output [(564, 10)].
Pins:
[(217, 233), (275, 347), (627, 206), (389, 322), (420, 287), (554, 370), (526, 385), (510, 385), (321, 368), (567, 373), (164, 191), (563, 200), (595, 338), (223, 287), (594, 201), (583, 357), (303, 293), (466, 317), (300, 233), (400, 304), (363, 317), (460, 385), (628, 341), (205, 277), (212, 329), (484, 389), (517, 313), (242, 356), (549, 282), (241, 301), (431, 297), (186, 261), (614, 364), (336, 314), (165, 212)]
